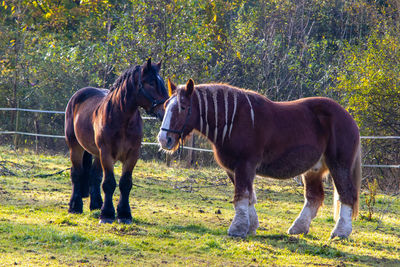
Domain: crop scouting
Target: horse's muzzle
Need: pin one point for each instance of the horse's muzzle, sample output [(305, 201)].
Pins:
[(166, 142)]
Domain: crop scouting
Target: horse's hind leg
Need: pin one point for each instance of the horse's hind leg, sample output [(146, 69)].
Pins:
[(76, 155), (346, 192), (346, 175), (96, 174), (85, 177), (314, 197), (343, 202)]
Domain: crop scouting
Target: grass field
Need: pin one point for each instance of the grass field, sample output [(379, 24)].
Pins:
[(181, 217)]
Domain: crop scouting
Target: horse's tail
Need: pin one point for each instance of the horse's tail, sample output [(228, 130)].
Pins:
[(355, 177), (69, 121)]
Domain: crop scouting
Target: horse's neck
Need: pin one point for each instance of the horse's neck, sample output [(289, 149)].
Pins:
[(211, 125), (122, 102)]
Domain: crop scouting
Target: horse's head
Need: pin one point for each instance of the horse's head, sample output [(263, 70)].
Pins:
[(152, 92), (177, 122)]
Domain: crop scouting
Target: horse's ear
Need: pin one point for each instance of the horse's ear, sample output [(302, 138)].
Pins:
[(171, 87), (159, 64), (189, 87), (149, 63)]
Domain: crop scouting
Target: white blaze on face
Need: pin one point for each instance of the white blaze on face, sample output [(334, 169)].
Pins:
[(162, 135)]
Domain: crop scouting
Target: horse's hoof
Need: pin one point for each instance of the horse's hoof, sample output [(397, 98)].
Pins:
[(124, 221), (235, 231), (233, 234), (239, 227), (253, 219), (106, 221), (75, 211), (76, 206), (299, 227), (342, 229), (297, 230)]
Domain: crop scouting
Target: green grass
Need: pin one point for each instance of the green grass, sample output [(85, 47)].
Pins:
[(180, 217)]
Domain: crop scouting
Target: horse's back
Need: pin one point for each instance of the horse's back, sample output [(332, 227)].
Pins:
[(86, 93)]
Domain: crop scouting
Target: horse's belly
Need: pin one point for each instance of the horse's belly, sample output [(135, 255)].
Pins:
[(290, 164)]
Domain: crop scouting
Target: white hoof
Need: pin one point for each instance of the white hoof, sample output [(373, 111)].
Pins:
[(341, 230), (343, 226), (236, 230), (300, 226), (253, 219), (241, 223)]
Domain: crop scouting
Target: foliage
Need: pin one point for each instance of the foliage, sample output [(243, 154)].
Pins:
[(283, 49), (370, 198), (369, 85)]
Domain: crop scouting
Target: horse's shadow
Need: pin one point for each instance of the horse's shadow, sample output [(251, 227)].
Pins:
[(299, 245)]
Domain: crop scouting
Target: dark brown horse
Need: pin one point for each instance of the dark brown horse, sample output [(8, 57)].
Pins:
[(107, 124), (252, 135)]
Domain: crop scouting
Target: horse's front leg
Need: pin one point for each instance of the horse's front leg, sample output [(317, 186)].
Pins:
[(243, 200), (107, 214), (253, 217), (125, 185)]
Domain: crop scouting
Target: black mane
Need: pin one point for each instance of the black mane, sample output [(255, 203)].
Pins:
[(123, 77)]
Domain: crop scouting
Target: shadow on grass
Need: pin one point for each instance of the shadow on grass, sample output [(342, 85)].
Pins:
[(196, 229), (299, 245)]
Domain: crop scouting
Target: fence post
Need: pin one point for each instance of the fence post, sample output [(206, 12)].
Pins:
[(168, 159), (16, 136), (190, 155), (36, 124)]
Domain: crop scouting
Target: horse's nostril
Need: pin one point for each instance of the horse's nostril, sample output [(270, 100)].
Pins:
[(169, 141)]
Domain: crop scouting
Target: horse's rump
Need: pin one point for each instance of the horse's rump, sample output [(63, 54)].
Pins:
[(84, 102)]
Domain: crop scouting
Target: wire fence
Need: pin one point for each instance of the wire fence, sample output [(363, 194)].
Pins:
[(156, 144)]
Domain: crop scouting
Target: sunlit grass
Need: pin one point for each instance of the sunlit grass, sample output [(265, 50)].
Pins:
[(180, 217)]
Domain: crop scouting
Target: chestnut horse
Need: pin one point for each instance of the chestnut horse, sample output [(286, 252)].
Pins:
[(252, 135), (107, 124)]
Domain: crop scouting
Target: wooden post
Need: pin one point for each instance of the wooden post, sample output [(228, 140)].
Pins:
[(168, 159), (36, 124), (16, 136), (190, 155)]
